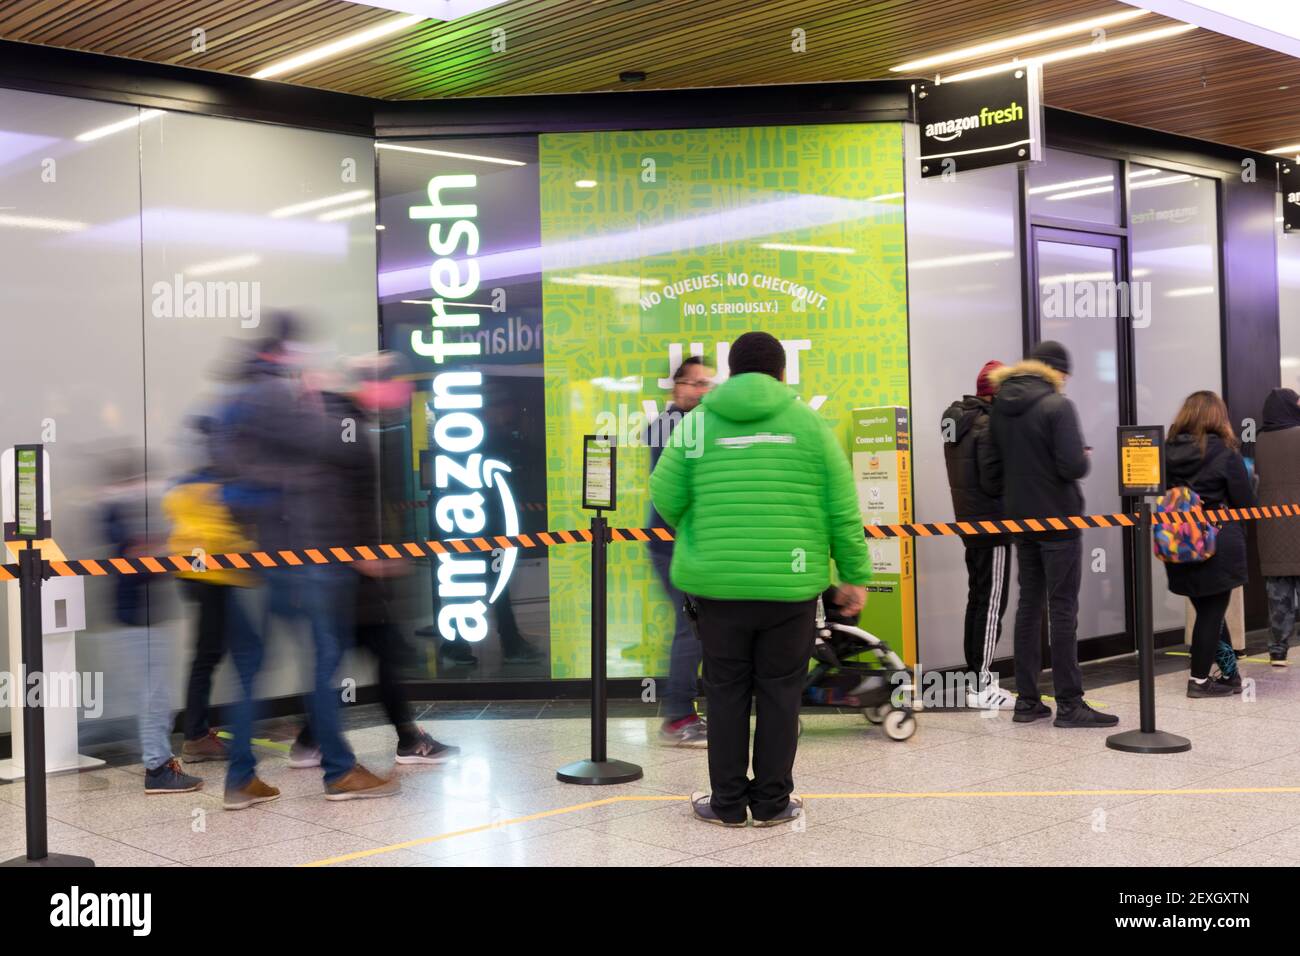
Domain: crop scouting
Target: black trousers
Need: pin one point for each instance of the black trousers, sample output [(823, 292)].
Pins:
[(209, 647), (1050, 572), (1207, 631), (988, 579), (755, 654)]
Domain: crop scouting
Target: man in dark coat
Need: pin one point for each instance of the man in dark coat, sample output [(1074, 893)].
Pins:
[(1035, 461), (965, 427)]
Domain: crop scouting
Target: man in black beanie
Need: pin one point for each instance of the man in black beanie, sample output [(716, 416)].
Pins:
[(1035, 462)]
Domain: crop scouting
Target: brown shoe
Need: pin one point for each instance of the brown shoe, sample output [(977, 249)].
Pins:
[(208, 747), (255, 791), (360, 784)]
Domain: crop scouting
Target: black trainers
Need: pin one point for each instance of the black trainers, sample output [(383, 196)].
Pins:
[(1209, 688), (1081, 715), (1277, 660), (422, 748), (1030, 710), (1234, 681)]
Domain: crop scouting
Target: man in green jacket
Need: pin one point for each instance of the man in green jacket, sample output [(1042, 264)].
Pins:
[(759, 512)]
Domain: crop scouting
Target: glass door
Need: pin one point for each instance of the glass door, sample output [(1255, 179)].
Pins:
[(1082, 304)]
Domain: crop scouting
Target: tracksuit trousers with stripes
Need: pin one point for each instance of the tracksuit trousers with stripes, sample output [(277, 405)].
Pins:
[(988, 576)]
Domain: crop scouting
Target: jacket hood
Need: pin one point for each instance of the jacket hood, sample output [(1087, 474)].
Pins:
[(1029, 367), (966, 412), (1281, 410), (749, 397), (1024, 385), (1184, 457)]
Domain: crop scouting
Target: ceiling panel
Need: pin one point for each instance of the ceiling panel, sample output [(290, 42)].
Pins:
[(1200, 83)]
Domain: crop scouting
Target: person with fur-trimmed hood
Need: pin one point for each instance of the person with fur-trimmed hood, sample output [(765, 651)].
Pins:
[(1035, 462)]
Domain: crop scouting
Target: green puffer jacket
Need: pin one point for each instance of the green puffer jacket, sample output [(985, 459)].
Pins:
[(762, 501)]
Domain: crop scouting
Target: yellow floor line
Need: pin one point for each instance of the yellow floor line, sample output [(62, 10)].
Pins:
[(361, 854), (883, 795), (261, 742)]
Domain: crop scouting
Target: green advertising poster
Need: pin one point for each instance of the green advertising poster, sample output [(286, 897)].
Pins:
[(661, 244)]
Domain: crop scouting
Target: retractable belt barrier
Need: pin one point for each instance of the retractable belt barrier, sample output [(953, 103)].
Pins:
[(255, 560)]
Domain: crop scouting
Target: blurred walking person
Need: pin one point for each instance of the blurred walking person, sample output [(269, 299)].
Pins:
[(1277, 463)]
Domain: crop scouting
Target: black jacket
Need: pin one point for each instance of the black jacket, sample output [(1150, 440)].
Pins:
[(965, 427), (1219, 476), (1036, 457)]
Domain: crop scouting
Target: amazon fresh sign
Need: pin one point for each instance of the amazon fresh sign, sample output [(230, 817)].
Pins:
[(986, 121), (471, 490), (1290, 197)]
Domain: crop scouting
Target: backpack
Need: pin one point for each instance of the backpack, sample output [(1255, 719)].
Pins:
[(1189, 541)]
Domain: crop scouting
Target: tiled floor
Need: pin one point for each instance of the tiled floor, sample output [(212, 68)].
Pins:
[(966, 790)]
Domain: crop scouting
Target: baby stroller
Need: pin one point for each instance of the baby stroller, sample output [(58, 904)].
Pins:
[(853, 668)]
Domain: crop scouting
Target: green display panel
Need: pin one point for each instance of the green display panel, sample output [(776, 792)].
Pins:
[(661, 244)]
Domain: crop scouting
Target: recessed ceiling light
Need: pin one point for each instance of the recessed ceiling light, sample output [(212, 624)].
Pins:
[(1294, 148), (1023, 39), (1071, 53), (342, 45), (434, 9)]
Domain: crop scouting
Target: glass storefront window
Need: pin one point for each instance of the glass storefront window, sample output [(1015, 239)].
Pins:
[(1074, 186), (1173, 223)]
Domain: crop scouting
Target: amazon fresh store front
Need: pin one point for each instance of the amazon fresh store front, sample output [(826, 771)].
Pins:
[(557, 257)]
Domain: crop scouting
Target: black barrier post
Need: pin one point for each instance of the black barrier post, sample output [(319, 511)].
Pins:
[(31, 570), (599, 770), (1146, 739), (599, 494)]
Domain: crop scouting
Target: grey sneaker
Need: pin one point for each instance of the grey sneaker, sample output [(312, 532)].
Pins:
[(426, 750), (792, 812), (690, 731), (301, 757), (170, 778), (703, 809)]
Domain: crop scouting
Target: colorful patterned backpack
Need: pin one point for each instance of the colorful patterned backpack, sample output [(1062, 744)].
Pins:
[(1189, 541)]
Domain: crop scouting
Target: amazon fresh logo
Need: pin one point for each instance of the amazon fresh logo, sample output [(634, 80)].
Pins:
[(946, 131), (470, 487)]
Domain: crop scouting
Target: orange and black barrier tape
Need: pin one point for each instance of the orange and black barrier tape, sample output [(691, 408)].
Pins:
[(256, 560)]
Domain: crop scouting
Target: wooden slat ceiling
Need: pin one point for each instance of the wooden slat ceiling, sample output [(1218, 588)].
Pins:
[(1199, 83)]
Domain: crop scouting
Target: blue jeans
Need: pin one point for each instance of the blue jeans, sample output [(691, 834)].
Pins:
[(151, 654), (325, 595), (246, 652), (686, 653)]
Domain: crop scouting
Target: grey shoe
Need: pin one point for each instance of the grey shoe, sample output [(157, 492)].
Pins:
[(688, 732), (793, 811), (703, 809), (426, 750)]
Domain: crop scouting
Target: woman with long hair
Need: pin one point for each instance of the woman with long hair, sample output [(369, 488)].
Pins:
[(1202, 454)]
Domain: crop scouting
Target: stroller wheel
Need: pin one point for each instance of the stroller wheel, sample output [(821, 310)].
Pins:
[(876, 715), (899, 725)]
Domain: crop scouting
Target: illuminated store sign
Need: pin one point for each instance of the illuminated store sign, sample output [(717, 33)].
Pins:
[(461, 474), (982, 122)]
